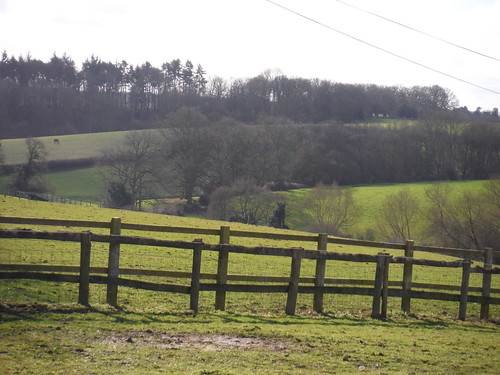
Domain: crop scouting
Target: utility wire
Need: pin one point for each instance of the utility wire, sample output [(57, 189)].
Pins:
[(382, 49), (418, 31)]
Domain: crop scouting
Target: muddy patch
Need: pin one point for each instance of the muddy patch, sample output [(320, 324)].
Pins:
[(211, 342)]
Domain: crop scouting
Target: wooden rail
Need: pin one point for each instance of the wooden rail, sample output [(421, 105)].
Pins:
[(454, 252), (380, 288)]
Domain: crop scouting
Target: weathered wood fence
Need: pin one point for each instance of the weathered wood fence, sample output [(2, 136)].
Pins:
[(45, 197), (380, 288)]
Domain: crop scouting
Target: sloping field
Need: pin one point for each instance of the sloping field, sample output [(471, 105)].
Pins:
[(75, 146), (371, 197), (44, 332)]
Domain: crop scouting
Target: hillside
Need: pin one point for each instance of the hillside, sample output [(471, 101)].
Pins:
[(86, 184), (42, 327), (70, 147)]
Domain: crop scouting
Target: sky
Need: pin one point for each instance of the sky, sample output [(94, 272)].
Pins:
[(236, 39)]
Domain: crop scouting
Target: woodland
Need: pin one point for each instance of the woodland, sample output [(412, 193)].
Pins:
[(53, 98)]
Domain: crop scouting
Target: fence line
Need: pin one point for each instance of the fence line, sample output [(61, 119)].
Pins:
[(379, 288), (454, 252), (45, 197)]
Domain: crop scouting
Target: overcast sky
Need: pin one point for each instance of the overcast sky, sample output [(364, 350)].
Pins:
[(243, 38)]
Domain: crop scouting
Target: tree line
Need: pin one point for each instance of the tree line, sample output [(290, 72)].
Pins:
[(47, 98)]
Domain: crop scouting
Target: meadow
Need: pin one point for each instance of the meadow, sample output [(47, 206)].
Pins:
[(44, 331), (370, 198), (73, 146)]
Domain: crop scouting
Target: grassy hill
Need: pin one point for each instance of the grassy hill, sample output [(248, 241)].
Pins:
[(370, 198), (86, 184), (44, 331), (75, 146), (80, 184)]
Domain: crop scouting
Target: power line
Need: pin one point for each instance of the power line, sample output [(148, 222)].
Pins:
[(382, 49), (418, 31)]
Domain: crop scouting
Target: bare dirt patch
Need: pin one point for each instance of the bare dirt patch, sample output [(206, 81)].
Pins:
[(212, 342)]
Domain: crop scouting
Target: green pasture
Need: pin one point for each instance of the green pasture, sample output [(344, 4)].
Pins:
[(84, 184), (39, 252), (74, 146), (90, 145), (370, 198), (77, 340), (61, 339), (43, 331), (87, 184)]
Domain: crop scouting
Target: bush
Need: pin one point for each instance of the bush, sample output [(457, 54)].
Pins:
[(118, 196)]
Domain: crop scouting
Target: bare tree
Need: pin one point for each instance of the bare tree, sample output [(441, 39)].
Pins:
[(188, 144), (28, 177), (398, 215), (220, 203), (244, 201), (251, 203), (471, 220), (134, 165), (330, 209)]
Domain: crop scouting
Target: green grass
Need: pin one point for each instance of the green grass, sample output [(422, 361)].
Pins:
[(74, 146), (370, 198), (82, 184), (85, 184), (83, 341), (44, 332)]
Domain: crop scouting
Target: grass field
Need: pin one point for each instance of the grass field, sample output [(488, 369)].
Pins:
[(74, 146), (87, 184), (84, 184), (44, 332), (370, 198)]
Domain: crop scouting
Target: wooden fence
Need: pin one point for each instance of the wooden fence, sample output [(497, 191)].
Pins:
[(53, 198), (379, 287)]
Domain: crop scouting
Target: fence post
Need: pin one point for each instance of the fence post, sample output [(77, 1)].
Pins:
[(113, 263), (407, 277), (220, 295), (84, 280), (319, 277), (377, 285), (464, 289), (194, 291), (293, 286), (486, 290), (385, 286)]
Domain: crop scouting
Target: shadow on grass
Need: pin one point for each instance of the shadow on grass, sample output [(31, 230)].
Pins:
[(122, 315)]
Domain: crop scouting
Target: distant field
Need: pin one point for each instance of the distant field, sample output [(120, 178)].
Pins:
[(82, 184), (370, 198), (80, 146), (87, 184), (75, 146)]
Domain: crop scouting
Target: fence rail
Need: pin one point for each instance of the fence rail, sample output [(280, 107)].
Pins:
[(380, 288), (53, 198), (454, 252)]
